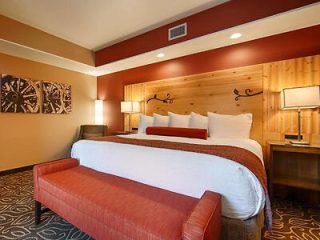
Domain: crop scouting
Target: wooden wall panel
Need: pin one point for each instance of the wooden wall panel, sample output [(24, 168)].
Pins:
[(284, 74), (202, 93), (134, 92), (213, 91)]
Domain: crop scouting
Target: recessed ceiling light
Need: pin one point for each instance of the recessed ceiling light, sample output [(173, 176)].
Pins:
[(235, 35), (160, 55)]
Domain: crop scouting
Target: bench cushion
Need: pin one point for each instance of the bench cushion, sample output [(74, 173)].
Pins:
[(128, 207)]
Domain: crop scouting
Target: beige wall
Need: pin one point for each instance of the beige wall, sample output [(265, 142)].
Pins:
[(14, 31), (27, 139)]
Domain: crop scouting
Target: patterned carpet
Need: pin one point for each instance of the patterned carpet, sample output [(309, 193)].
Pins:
[(17, 213), (291, 221)]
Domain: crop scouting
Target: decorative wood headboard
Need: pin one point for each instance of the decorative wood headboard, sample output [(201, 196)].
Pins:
[(201, 93), (214, 92)]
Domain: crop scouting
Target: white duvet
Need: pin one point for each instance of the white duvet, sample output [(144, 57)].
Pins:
[(183, 172)]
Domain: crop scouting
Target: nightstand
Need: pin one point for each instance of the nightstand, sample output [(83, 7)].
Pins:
[(294, 166), (122, 133)]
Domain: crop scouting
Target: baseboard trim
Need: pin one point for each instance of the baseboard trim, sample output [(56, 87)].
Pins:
[(16, 170)]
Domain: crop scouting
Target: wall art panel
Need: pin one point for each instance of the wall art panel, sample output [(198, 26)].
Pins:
[(20, 95), (56, 98)]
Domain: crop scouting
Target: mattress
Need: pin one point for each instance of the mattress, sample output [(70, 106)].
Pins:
[(182, 172)]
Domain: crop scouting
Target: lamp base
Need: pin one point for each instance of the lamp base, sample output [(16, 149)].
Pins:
[(297, 142)]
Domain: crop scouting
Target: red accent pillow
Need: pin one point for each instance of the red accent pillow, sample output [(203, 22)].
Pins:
[(178, 132)]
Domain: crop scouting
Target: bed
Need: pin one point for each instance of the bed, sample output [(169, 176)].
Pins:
[(188, 173)]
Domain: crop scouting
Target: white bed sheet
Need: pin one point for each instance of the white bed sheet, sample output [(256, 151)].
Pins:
[(183, 172)]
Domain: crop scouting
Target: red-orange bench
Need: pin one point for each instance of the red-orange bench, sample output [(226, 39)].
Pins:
[(110, 207)]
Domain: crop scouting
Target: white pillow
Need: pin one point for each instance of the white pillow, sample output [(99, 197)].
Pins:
[(160, 120), (144, 122), (178, 120), (230, 126), (198, 121)]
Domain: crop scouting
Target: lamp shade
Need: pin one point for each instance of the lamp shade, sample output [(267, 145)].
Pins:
[(99, 111), (301, 97), (130, 107)]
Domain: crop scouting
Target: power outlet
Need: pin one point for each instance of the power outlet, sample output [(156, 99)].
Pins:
[(292, 136)]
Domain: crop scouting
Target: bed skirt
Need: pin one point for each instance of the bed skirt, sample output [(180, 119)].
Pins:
[(243, 230)]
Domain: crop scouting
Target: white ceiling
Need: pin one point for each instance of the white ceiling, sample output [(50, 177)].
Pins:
[(293, 20), (288, 21), (94, 24), (284, 22)]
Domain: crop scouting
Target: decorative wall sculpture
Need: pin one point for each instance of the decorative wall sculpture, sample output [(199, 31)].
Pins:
[(20, 95), (56, 98), (168, 99), (247, 93)]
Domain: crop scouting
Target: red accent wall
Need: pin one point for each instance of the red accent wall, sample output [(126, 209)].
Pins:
[(220, 17), (299, 43)]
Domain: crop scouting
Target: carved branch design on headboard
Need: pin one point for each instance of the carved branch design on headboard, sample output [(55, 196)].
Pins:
[(168, 99), (247, 93)]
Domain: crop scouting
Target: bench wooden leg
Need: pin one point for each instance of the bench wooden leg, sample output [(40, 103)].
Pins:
[(37, 212)]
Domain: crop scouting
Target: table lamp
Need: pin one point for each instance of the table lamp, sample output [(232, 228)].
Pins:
[(130, 107), (99, 112), (300, 98)]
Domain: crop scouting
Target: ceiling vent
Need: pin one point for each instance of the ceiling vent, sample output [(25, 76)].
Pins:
[(177, 31)]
